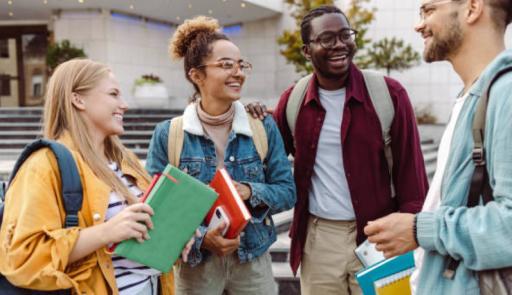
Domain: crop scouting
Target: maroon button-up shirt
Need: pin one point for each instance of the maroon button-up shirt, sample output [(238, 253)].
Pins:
[(363, 156)]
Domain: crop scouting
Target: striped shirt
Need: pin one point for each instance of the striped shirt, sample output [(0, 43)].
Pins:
[(132, 278)]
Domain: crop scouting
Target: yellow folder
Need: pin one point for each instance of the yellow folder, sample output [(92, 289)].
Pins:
[(397, 284)]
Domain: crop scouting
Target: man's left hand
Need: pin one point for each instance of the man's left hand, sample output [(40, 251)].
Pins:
[(392, 234)]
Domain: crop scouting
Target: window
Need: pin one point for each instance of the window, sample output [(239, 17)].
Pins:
[(5, 85), (4, 48)]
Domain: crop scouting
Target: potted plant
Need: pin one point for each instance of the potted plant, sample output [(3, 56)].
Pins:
[(150, 92), (60, 52)]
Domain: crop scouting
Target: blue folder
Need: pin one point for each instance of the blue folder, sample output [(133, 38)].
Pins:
[(367, 276)]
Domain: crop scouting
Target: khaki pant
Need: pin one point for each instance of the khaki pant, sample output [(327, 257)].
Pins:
[(328, 263), (226, 274)]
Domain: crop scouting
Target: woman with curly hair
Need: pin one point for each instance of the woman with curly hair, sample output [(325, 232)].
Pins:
[(218, 134)]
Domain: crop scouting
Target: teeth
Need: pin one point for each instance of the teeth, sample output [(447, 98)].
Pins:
[(234, 84), (118, 117)]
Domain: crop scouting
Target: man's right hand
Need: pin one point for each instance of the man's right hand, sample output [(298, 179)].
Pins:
[(216, 243), (258, 110)]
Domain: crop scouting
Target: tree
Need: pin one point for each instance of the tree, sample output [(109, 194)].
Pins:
[(391, 54), (61, 52), (291, 39), (360, 19)]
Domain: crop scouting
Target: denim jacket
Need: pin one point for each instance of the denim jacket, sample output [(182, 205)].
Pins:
[(479, 237), (271, 182)]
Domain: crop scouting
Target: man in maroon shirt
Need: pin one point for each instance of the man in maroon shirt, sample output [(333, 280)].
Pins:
[(340, 171)]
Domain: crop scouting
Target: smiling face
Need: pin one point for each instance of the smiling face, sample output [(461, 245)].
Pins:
[(440, 29), (103, 107), (216, 82), (332, 63)]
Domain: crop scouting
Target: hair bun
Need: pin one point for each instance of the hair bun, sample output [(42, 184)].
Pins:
[(187, 32)]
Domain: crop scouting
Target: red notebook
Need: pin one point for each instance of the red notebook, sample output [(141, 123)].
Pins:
[(231, 202)]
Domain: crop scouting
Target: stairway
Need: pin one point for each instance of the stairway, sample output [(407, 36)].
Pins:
[(19, 126)]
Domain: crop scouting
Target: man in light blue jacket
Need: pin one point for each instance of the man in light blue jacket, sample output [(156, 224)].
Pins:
[(470, 34)]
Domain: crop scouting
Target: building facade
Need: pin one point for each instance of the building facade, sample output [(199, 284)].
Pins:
[(132, 37)]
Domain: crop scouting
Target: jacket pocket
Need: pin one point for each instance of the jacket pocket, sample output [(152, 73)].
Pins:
[(253, 172), (192, 168)]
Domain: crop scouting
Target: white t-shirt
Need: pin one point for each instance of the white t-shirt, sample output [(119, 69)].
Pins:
[(433, 198), (329, 196)]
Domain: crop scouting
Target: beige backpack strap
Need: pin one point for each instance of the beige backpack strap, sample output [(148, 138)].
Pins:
[(259, 137), (381, 100), (295, 102), (175, 141)]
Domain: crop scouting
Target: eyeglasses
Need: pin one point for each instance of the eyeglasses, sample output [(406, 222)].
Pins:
[(328, 39), (231, 66), (428, 8)]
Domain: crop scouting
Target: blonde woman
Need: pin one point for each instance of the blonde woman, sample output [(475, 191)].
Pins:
[(83, 111)]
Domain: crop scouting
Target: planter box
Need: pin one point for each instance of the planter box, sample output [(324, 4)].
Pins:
[(151, 96)]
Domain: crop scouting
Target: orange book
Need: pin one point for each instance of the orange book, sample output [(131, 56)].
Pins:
[(231, 203)]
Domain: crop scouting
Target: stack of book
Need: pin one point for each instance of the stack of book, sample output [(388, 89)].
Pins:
[(389, 276), (180, 203)]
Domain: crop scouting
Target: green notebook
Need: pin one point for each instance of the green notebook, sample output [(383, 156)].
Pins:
[(180, 203)]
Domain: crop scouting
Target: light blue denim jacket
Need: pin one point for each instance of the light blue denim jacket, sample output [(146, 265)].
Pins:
[(271, 182), (480, 237)]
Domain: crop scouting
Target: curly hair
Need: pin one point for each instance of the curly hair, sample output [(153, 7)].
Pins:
[(192, 41)]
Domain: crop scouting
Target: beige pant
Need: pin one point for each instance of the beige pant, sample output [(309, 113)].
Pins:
[(328, 263), (226, 274)]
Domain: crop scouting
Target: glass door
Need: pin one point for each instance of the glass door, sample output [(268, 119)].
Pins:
[(9, 77)]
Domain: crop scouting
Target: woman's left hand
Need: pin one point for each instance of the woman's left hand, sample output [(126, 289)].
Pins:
[(243, 190), (188, 246)]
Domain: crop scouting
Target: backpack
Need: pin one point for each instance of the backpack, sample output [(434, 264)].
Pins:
[(72, 196), (381, 100), (493, 281), (177, 135)]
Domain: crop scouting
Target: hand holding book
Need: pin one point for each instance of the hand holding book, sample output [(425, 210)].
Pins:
[(216, 243), (133, 221), (243, 190)]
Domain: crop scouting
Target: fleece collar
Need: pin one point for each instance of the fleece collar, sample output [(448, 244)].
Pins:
[(192, 124)]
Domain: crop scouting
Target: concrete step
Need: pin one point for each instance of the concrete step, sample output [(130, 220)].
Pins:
[(429, 148), (427, 157), (128, 118), (32, 134), (38, 111), (36, 126), (288, 284)]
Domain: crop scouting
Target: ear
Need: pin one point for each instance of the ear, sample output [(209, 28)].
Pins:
[(474, 10), (196, 76), (77, 101), (306, 51)]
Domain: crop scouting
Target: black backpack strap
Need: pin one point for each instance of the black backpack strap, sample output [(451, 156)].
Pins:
[(71, 189), (480, 180)]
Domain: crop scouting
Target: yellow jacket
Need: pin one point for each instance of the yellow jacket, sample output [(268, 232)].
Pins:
[(34, 245)]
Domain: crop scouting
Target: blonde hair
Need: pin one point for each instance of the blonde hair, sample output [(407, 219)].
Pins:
[(60, 116)]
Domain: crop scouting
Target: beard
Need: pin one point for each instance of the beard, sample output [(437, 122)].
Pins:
[(442, 47)]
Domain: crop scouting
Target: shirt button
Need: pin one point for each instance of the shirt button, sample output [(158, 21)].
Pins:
[(231, 158), (96, 217), (249, 256)]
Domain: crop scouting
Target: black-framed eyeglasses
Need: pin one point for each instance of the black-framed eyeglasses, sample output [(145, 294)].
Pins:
[(328, 39), (231, 65)]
